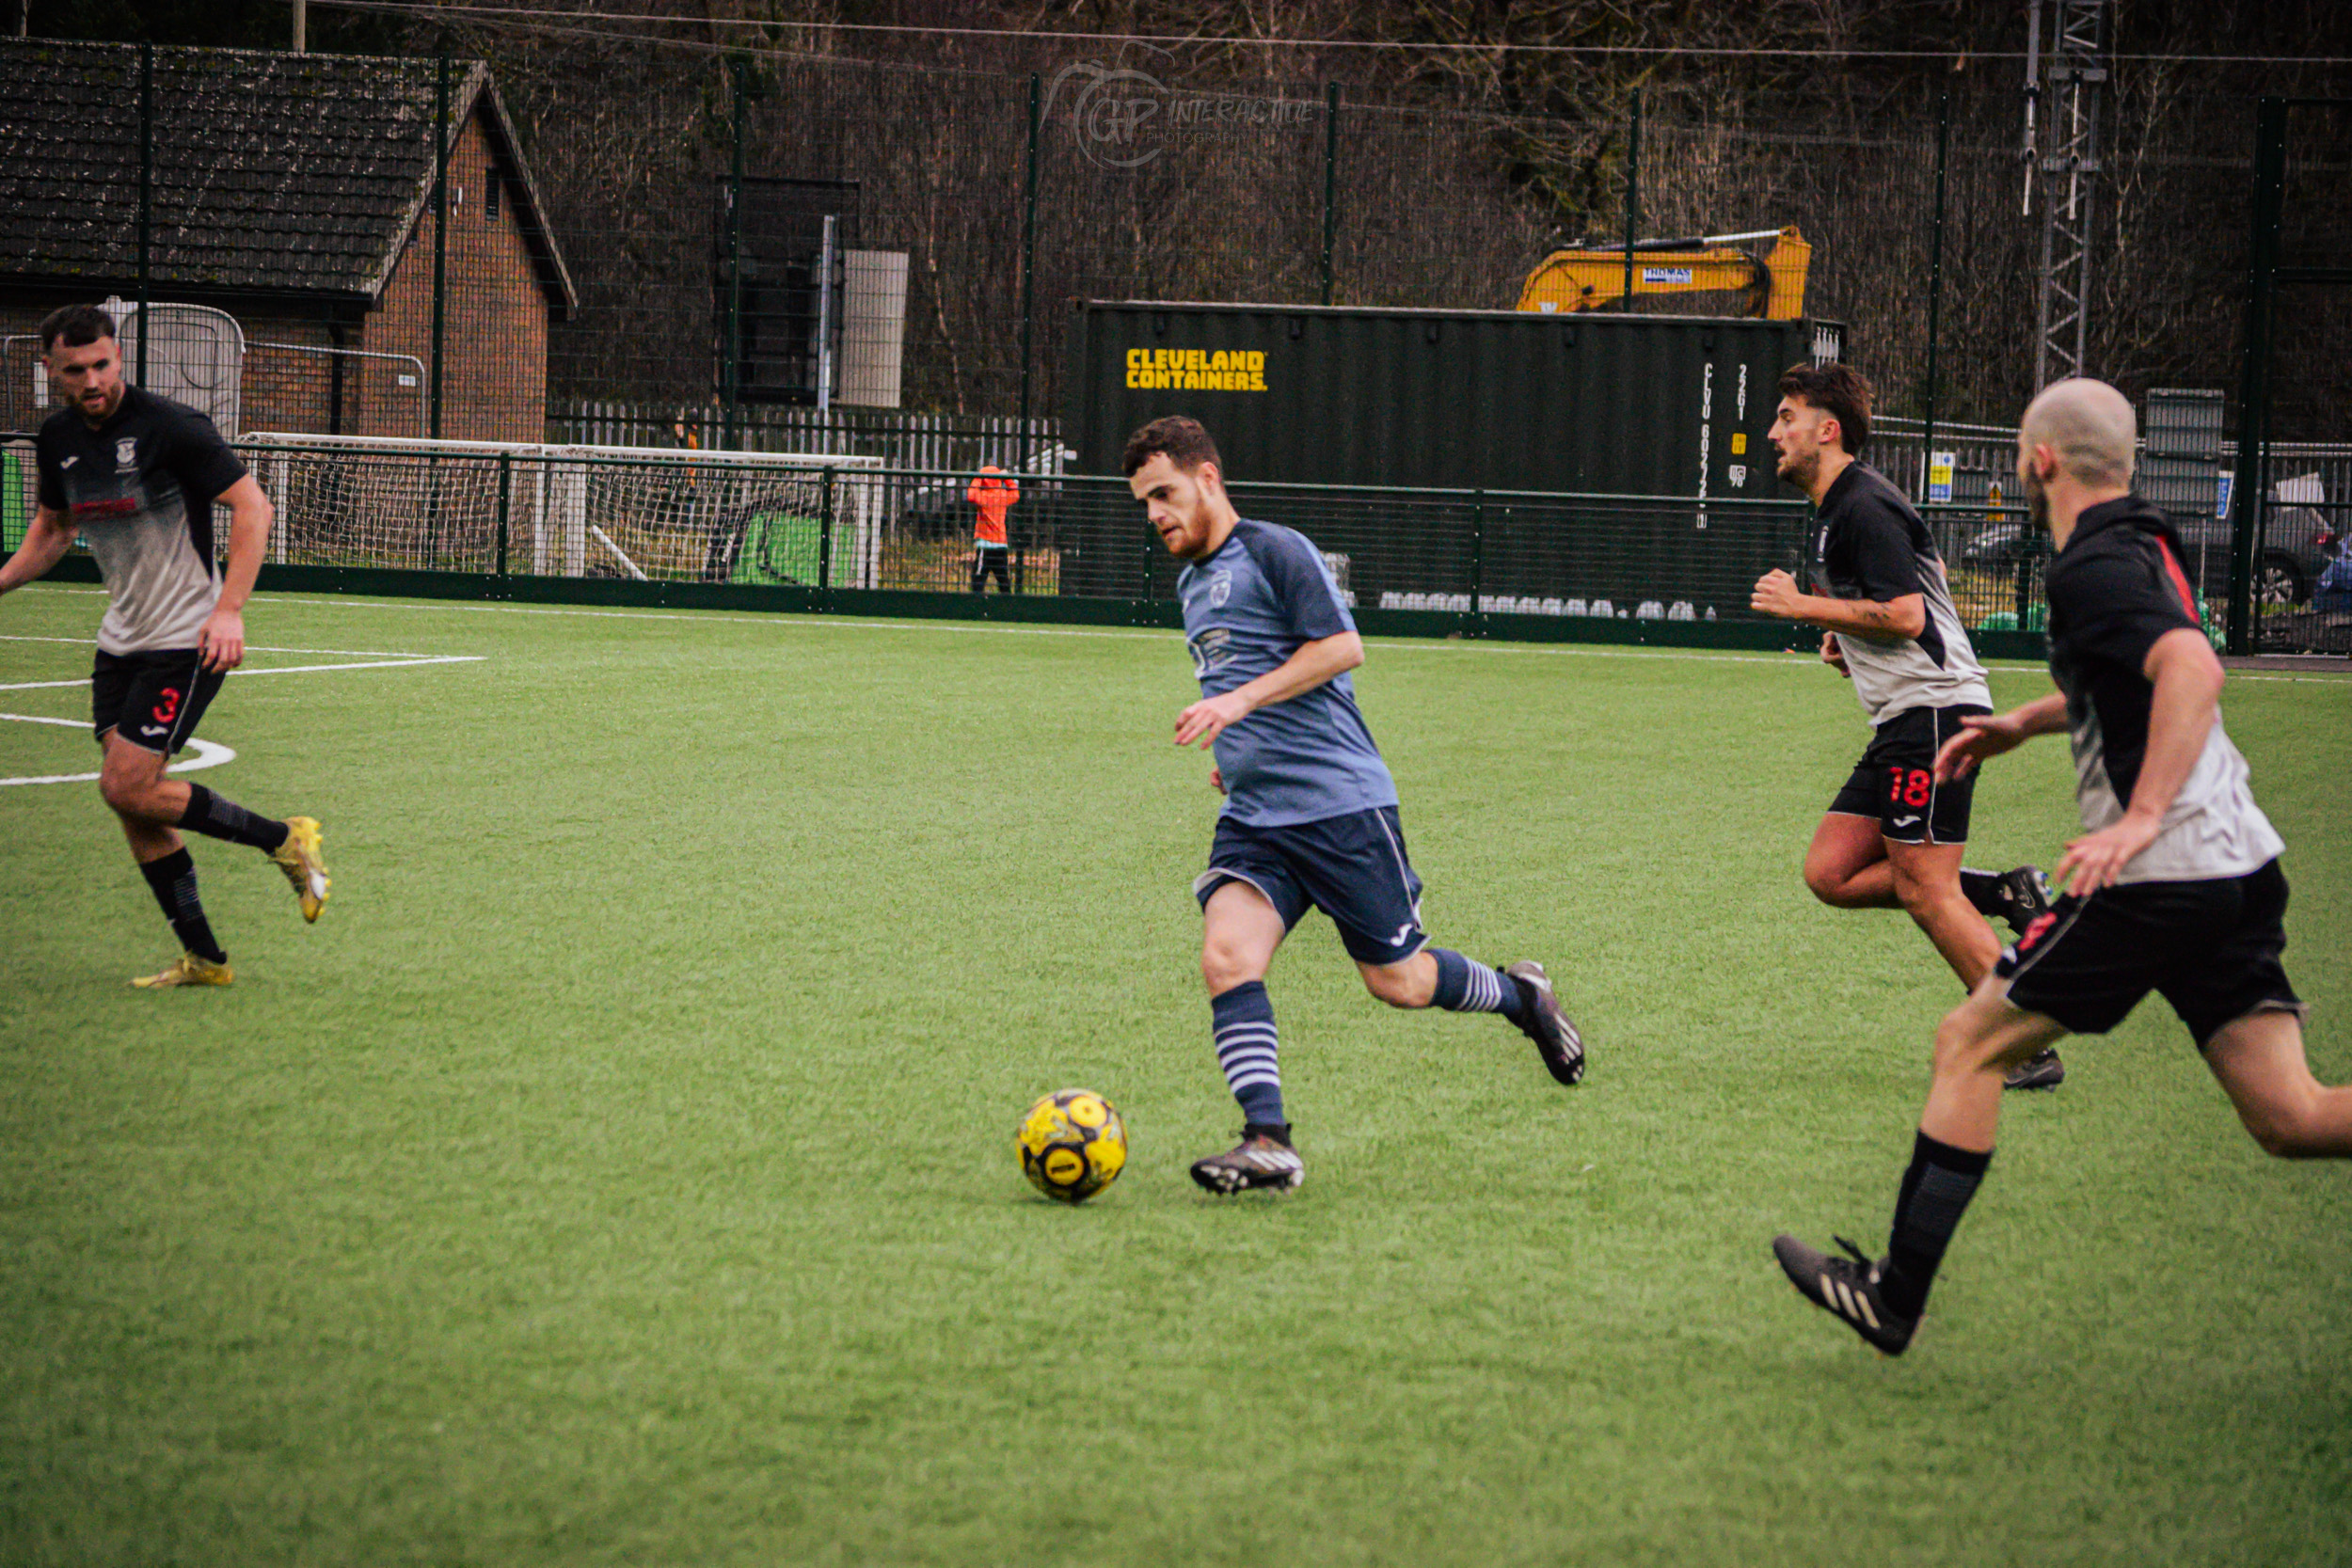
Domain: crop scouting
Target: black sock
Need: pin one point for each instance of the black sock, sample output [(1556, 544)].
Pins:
[(173, 882), (1935, 1193), (215, 817), (1984, 892)]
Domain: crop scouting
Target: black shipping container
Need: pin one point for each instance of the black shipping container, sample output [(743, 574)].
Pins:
[(1503, 400), (1505, 403)]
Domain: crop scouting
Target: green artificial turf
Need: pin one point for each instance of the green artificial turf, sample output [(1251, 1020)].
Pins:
[(621, 1171)]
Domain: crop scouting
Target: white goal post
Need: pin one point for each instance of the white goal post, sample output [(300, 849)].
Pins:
[(541, 510)]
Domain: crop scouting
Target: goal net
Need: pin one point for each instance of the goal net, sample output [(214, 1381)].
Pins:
[(571, 510)]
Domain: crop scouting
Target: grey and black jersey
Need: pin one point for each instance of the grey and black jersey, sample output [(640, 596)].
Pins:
[(2114, 590), (140, 489), (1870, 545)]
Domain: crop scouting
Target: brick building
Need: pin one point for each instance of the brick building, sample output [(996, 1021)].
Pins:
[(294, 192)]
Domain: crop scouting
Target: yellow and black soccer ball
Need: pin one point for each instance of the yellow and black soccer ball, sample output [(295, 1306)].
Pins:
[(1072, 1144)]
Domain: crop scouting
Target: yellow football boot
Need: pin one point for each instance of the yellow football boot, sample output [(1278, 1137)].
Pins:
[(188, 969), (303, 858)]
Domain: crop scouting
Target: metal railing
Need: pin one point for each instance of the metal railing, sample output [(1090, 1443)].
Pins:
[(900, 439), (831, 522)]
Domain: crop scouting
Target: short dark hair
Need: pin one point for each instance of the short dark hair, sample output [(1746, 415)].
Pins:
[(1178, 436), (1838, 390), (79, 325)]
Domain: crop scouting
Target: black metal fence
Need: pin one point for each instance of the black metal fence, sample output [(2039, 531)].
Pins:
[(774, 251), (1542, 563), (2298, 323)]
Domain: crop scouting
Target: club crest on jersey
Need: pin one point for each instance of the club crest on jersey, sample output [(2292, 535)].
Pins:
[(1220, 588), (126, 454)]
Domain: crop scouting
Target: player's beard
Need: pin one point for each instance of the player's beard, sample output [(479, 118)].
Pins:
[(103, 409), (1189, 547), (1799, 471)]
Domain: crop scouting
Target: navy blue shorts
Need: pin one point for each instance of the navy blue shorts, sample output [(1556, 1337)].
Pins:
[(1352, 867)]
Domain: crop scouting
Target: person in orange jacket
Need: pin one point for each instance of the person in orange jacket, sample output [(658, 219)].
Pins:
[(992, 494)]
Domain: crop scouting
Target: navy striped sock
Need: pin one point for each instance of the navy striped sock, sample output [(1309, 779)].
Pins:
[(1467, 986), (1247, 1047)]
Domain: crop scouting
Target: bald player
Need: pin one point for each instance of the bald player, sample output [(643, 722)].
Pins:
[(2174, 886)]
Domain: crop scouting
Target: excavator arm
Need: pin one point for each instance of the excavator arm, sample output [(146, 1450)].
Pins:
[(1772, 287)]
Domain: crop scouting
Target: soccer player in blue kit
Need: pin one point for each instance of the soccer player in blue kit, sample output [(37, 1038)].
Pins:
[(1311, 812)]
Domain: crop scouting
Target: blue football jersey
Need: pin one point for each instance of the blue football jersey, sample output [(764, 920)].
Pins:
[(1247, 609)]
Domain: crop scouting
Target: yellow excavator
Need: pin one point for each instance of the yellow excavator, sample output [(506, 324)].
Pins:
[(1588, 277)]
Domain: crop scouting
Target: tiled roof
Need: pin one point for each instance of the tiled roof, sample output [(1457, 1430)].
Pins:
[(272, 173)]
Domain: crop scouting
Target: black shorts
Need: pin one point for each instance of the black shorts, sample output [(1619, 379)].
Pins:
[(1894, 781), (2210, 949), (153, 700), (1352, 867)]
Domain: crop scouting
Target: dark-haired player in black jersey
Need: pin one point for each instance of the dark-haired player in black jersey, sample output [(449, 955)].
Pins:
[(2173, 887), (1894, 836), (138, 476)]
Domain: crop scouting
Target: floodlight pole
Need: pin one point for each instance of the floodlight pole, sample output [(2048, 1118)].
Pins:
[(1935, 288), (2253, 412), (1632, 198), (1029, 267), (147, 190), (824, 318), (1330, 179), (731, 378), (2074, 75), (440, 229)]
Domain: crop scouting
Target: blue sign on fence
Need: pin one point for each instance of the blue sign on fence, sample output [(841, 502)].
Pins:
[(1940, 466), (2221, 498)]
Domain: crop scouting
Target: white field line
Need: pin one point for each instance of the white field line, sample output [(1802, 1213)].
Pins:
[(208, 754), (1478, 645), (252, 648), (283, 669)]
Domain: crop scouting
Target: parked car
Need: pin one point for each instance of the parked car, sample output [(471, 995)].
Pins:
[(2298, 547)]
